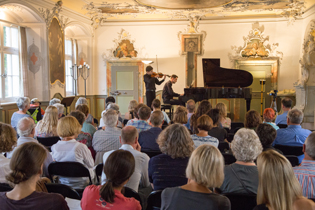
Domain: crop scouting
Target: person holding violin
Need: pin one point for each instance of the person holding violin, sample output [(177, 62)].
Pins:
[(150, 79)]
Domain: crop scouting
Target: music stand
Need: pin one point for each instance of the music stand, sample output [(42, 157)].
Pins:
[(67, 102)]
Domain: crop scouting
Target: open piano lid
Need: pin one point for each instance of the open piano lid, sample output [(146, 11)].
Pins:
[(215, 76)]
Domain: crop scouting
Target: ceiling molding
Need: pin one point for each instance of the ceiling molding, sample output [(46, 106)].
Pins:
[(310, 11)]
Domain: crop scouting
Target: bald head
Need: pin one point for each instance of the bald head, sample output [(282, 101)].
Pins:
[(25, 127), (129, 135)]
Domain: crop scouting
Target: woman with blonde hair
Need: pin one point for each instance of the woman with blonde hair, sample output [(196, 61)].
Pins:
[(180, 115), (204, 172), (278, 187), (131, 107), (224, 120), (168, 168), (47, 127)]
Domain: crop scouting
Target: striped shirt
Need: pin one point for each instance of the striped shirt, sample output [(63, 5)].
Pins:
[(305, 173), (141, 125), (106, 140), (198, 140)]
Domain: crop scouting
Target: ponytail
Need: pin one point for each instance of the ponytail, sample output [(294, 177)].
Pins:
[(107, 192)]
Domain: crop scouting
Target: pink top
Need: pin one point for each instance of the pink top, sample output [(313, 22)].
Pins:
[(91, 200)]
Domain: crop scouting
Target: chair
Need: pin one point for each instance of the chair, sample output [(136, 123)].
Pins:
[(224, 147), (98, 171), (4, 187), (154, 200), (151, 153), (282, 125), (236, 125), (242, 201), (130, 193), (227, 130), (48, 141), (168, 107), (228, 158), (230, 137), (64, 190), (290, 150), (125, 121), (294, 160)]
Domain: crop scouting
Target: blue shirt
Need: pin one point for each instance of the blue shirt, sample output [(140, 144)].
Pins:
[(306, 176), (293, 135), (282, 118), (141, 125), (147, 139)]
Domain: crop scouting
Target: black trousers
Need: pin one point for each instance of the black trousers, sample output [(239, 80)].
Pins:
[(174, 102), (150, 95)]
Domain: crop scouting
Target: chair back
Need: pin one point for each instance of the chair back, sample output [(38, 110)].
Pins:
[(154, 200), (290, 150), (48, 141), (151, 153), (98, 171), (236, 125), (130, 193), (224, 147), (125, 121), (69, 169), (64, 190), (228, 158), (227, 129), (230, 137), (294, 160), (4, 187), (242, 201), (282, 125)]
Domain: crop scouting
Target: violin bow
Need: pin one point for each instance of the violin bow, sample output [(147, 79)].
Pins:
[(157, 64)]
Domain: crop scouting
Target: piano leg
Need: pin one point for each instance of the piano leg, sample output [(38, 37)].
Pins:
[(248, 100)]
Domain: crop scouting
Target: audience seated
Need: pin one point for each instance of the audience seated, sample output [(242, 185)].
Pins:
[(147, 139), (119, 167), (204, 171), (107, 139), (47, 127), (278, 187), (110, 99), (7, 142), (267, 135), (141, 124), (191, 107), (129, 140), (23, 103), (204, 124), (294, 134), (252, 119), (136, 116), (216, 131), (87, 127), (269, 116), (241, 177), (203, 108), (26, 166), (131, 107), (224, 120), (89, 117), (156, 106), (26, 131), (115, 107), (61, 109), (36, 103), (286, 104), (305, 173), (54, 101), (168, 168), (68, 149), (180, 115)]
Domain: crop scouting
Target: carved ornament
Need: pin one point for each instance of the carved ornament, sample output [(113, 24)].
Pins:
[(48, 15)]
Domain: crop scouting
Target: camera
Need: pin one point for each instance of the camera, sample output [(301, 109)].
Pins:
[(273, 93)]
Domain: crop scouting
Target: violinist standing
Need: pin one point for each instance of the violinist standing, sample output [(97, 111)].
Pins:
[(150, 84)]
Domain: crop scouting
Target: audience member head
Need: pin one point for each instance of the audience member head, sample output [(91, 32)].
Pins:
[(175, 141), (7, 137), (278, 186), (246, 145), (286, 104), (295, 117), (110, 99), (266, 133), (113, 107), (309, 147), (110, 118), (203, 108), (222, 109), (129, 135), (23, 103), (35, 102), (214, 114), (54, 101), (118, 168), (206, 166), (49, 122), (132, 105), (156, 104), (269, 115), (191, 106), (144, 113), (205, 123), (79, 116), (60, 108), (26, 127), (83, 108), (81, 100), (68, 127), (136, 110), (157, 118), (252, 119), (27, 161), (180, 115)]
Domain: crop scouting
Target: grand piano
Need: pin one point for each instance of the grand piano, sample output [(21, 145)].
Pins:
[(221, 83)]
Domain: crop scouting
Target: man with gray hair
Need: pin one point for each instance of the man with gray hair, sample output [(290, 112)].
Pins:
[(61, 109), (26, 131), (294, 134), (54, 101), (89, 118), (23, 103), (305, 173), (107, 139)]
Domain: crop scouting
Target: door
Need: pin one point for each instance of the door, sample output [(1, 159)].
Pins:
[(125, 81)]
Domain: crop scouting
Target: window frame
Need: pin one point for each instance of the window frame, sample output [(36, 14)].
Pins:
[(71, 58)]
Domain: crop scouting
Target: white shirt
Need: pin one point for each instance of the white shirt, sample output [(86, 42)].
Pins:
[(4, 168), (140, 177), (73, 151)]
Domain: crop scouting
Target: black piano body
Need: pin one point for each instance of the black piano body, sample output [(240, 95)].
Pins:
[(221, 83)]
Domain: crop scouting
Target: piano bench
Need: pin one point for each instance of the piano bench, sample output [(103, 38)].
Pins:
[(170, 109)]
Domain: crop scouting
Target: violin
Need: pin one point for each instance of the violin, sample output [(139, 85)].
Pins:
[(160, 75)]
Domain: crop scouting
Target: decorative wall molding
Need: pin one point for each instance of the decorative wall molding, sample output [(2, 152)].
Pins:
[(11, 7), (57, 83), (34, 58)]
